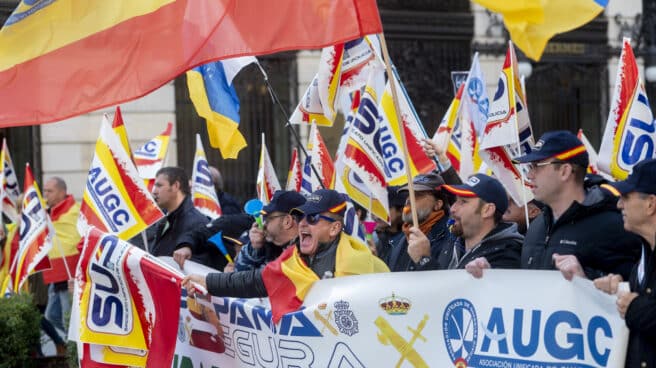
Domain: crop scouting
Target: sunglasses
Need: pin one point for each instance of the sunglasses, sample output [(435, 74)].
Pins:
[(314, 218)]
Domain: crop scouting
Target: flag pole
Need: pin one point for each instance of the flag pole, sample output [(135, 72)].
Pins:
[(276, 100), (406, 155), (519, 147)]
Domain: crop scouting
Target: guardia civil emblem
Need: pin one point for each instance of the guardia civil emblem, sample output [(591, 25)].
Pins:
[(345, 318)]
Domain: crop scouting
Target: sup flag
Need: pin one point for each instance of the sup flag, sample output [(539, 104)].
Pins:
[(343, 70), (10, 188), (35, 234), (474, 97), (533, 23), (203, 194), (267, 180), (150, 157), (126, 304), (138, 46), (630, 135), (294, 175), (115, 199), (508, 132), (363, 154), (456, 135), (391, 140)]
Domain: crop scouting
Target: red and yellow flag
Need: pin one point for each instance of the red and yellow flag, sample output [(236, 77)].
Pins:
[(114, 51), (64, 254), (288, 279)]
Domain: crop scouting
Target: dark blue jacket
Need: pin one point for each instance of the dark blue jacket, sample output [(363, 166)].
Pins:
[(439, 236), (170, 233)]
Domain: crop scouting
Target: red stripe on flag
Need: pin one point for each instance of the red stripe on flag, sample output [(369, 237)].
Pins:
[(364, 160), (280, 288), (57, 271), (143, 53)]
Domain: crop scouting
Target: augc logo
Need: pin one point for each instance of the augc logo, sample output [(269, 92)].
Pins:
[(459, 325), (27, 8)]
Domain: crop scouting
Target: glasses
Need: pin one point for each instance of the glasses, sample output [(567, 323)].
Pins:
[(534, 166), (313, 219), (269, 218)]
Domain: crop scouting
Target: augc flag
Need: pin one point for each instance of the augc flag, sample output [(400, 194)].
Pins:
[(203, 193), (35, 239), (119, 50), (150, 157), (116, 315), (10, 188), (630, 135), (115, 199)]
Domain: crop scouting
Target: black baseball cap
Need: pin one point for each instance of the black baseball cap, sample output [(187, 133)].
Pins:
[(283, 201), (561, 145), (484, 187), (425, 182), (323, 200), (642, 179)]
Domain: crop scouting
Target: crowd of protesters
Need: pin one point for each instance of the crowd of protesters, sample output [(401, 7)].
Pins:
[(576, 223)]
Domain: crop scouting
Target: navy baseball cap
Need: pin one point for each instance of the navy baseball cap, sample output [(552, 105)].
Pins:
[(561, 145), (283, 201), (395, 197), (484, 187), (425, 182), (642, 179), (323, 200)]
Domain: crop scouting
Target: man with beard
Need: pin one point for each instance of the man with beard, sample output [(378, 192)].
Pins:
[(280, 231), (478, 210), (419, 249)]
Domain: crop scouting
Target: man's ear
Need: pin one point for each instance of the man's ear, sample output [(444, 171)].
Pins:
[(488, 210), (533, 211), (651, 205), (335, 228), (439, 205)]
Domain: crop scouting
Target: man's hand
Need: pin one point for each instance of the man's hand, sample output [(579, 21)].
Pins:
[(191, 283), (476, 267), (624, 299), (609, 283), (181, 255), (230, 267), (418, 245), (432, 149), (568, 265), (256, 236)]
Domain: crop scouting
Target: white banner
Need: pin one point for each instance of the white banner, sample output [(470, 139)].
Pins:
[(437, 319)]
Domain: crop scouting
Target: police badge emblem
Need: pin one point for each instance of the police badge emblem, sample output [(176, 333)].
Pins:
[(345, 318)]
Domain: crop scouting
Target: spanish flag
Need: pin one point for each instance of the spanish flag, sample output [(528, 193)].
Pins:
[(64, 254), (9, 250), (288, 279), (67, 57)]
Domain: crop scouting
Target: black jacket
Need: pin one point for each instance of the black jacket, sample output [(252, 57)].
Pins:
[(249, 284), (502, 248), (592, 230), (205, 252), (641, 315), (170, 233), (440, 238), (228, 203)]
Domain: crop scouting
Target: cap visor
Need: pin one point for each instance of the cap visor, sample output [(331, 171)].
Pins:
[(531, 157), (416, 187), (459, 190), (623, 187)]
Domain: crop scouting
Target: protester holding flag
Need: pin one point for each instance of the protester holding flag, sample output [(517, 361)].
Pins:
[(323, 252), (638, 307), (64, 212), (199, 246), (280, 231), (580, 230), (419, 249), (479, 208), (173, 196)]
